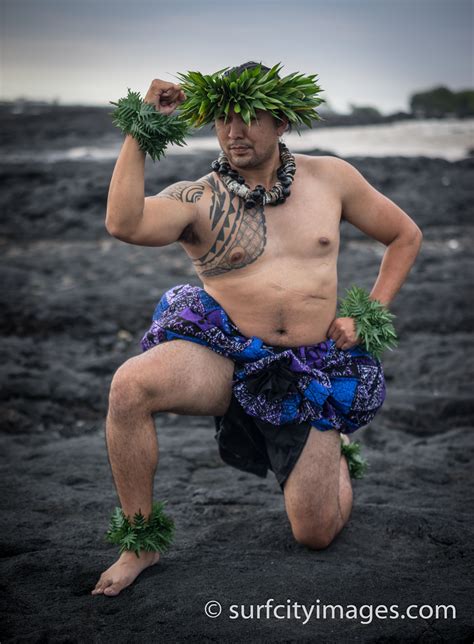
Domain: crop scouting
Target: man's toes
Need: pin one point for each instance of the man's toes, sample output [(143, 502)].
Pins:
[(100, 586), (98, 589), (116, 587)]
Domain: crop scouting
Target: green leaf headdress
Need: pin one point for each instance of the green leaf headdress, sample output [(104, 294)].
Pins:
[(211, 96)]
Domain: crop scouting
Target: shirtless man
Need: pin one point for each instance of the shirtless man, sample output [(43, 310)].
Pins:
[(277, 281)]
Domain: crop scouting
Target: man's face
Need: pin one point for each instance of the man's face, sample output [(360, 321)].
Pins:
[(248, 146)]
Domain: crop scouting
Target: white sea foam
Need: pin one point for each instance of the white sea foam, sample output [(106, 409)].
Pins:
[(436, 138)]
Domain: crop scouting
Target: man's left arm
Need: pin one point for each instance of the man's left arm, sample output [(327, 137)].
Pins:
[(380, 218)]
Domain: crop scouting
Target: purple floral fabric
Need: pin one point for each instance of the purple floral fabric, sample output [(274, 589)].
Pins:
[(329, 387)]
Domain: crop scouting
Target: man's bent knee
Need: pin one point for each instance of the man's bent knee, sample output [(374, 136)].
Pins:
[(129, 392), (313, 535), (180, 377)]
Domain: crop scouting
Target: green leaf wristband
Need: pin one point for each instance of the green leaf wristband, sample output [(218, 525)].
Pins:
[(152, 130), (373, 321), (154, 534)]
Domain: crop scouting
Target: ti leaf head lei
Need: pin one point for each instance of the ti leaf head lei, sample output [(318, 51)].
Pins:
[(209, 97)]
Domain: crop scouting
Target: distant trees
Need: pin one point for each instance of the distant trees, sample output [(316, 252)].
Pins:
[(438, 102), (441, 101), (366, 112)]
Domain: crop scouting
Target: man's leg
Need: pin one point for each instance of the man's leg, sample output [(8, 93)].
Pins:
[(318, 492), (178, 376)]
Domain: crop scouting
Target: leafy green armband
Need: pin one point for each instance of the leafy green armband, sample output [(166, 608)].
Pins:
[(153, 130), (153, 534), (373, 321)]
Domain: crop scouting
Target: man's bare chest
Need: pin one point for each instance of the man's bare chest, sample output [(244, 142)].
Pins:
[(227, 237)]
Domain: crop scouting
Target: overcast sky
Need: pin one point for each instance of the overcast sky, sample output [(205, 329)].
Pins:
[(365, 52)]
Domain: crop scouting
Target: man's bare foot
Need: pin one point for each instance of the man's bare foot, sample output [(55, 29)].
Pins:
[(345, 438), (124, 572), (355, 461)]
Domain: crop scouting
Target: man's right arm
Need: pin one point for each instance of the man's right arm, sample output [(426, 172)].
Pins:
[(151, 221)]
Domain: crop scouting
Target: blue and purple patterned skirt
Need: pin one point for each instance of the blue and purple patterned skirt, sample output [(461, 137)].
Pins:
[(278, 393)]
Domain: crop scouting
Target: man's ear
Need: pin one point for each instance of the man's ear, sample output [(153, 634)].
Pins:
[(283, 126)]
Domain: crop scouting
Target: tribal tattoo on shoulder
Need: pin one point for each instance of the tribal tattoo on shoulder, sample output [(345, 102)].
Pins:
[(185, 191), (240, 234)]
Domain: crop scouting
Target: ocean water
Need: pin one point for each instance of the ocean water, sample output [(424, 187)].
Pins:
[(449, 139)]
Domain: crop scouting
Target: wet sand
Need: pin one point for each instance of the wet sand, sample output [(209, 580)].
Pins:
[(75, 304)]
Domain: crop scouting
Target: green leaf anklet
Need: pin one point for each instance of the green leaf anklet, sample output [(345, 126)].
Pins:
[(152, 129), (373, 321), (155, 534), (357, 465)]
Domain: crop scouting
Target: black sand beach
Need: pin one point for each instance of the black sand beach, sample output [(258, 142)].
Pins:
[(75, 304)]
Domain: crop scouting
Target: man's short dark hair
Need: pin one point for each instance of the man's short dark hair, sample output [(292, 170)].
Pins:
[(251, 64)]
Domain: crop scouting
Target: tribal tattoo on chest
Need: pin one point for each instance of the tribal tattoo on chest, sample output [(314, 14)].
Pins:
[(240, 235)]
